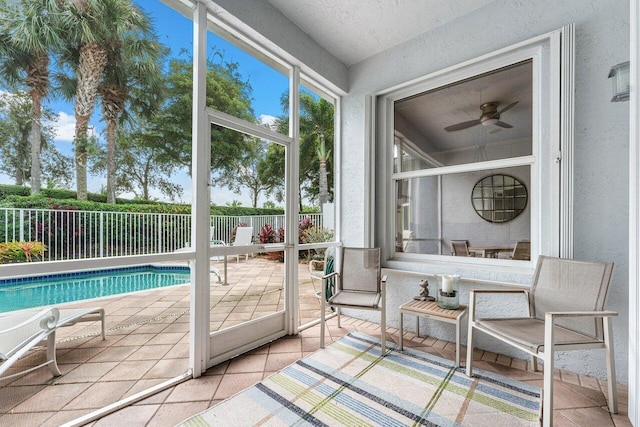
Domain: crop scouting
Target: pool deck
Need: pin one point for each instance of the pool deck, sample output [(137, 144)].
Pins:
[(147, 343)]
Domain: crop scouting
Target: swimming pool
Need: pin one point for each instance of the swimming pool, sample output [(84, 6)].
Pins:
[(27, 292)]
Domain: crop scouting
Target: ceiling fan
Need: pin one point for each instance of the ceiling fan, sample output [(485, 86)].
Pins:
[(490, 116)]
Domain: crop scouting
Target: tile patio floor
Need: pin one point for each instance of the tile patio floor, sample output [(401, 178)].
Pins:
[(147, 343)]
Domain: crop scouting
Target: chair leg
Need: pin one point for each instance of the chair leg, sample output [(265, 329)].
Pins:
[(547, 388), (322, 317), (383, 332), (471, 317), (338, 311), (611, 367), (458, 343), (534, 363), (104, 335), (401, 333), (51, 355), (469, 361)]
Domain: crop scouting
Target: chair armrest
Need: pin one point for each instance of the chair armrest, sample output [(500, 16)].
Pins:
[(605, 313), (48, 319), (499, 291), (333, 273)]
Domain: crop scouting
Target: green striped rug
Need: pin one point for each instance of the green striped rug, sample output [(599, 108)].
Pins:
[(348, 383)]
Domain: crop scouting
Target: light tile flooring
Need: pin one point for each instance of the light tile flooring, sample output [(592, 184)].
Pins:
[(147, 343)]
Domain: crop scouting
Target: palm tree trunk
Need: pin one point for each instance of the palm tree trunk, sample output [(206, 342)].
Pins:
[(82, 126), (23, 156), (323, 185), (111, 161), (38, 82), (36, 115), (93, 59)]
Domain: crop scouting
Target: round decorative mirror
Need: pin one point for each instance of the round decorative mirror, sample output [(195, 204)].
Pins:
[(499, 198)]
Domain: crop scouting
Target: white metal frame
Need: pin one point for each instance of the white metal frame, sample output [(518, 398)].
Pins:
[(557, 49), (200, 205), (236, 340), (634, 218)]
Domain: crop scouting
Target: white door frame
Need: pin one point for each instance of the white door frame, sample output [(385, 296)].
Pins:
[(200, 210), (241, 338), (634, 218)]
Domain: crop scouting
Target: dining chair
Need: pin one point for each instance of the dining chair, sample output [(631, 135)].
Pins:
[(522, 250), (358, 284), (460, 248), (565, 312)]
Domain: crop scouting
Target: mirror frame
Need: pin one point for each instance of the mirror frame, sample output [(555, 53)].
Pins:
[(491, 202)]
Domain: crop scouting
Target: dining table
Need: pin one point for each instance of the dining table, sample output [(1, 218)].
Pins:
[(490, 251)]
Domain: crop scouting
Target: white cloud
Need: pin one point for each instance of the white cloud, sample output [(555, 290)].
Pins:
[(65, 126), (268, 120)]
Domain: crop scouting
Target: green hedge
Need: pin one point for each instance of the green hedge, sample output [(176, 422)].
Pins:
[(60, 193), (13, 190), (42, 202), (19, 197)]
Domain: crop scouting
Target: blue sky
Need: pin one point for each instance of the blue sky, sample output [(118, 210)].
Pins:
[(176, 32)]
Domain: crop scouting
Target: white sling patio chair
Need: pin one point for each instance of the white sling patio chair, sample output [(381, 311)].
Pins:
[(244, 237), (23, 330), (358, 285), (212, 270), (566, 312)]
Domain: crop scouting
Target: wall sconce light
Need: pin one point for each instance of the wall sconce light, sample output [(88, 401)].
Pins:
[(620, 78)]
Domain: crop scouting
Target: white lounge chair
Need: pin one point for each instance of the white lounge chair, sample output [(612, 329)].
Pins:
[(23, 330), (244, 237)]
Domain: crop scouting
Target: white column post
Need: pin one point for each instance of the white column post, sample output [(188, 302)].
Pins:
[(201, 153), (292, 179), (634, 219), (369, 176)]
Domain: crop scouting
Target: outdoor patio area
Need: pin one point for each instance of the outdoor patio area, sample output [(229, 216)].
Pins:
[(147, 343)]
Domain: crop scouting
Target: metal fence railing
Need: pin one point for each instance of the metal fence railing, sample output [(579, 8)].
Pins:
[(76, 234)]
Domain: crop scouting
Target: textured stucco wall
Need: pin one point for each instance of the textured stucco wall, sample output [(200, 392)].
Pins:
[(601, 149)]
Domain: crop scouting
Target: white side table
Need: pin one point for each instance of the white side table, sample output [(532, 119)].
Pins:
[(430, 310)]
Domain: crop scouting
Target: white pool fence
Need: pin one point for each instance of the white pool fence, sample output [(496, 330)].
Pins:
[(76, 234)]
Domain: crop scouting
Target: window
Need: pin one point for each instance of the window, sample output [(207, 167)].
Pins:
[(441, 135), (479, 152)]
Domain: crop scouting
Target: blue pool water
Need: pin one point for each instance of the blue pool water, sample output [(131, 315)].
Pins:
[(27, 292)]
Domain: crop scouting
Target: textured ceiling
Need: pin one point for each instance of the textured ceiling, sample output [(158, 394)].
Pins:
[(353, 30)]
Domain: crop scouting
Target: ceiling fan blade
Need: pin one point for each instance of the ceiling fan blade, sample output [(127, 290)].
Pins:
[(508, 107), (503, 124), (462, 125)]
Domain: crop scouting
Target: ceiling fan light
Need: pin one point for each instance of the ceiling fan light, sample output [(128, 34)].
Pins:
[(491, 121)]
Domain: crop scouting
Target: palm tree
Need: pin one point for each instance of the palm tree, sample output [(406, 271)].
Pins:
[(93, 27), (316, 123), (29, 30), (324, 155), (132, 77), (316, 142)]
